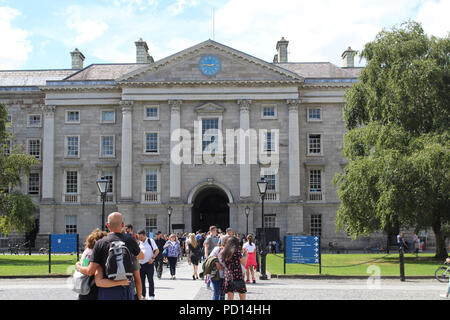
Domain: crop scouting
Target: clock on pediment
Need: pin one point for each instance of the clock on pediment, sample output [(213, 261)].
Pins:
[(209, 65)]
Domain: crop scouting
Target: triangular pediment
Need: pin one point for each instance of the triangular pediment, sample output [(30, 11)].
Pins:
[(185, 67), (210, 107)]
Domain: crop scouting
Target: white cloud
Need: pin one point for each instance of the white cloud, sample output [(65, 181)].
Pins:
[(14, 45), (317, 30), (86, 29), (180, 5), (105, 31), (434, 16)]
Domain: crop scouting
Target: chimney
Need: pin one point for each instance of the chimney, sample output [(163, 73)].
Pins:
[(142, 55), (77, 59), (282, 50), (349, 58)]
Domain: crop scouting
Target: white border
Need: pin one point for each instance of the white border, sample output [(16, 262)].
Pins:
[(67, 117), (145, 143), (151, 118), (267, 105), (101, 155), (34, 126), (66, 146), (321, 144)]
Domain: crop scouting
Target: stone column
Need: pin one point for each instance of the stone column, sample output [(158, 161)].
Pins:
[(244, 169), (175, 168), (294, 153), (126, 190), (48, 154)]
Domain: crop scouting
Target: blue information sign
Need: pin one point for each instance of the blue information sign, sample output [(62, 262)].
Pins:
[(64, 243), (302, 249)]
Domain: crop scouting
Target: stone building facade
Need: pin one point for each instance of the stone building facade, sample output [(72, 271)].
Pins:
[(116, 121)]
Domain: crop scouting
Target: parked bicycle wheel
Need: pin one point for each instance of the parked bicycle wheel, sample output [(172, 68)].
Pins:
[(442, 274)]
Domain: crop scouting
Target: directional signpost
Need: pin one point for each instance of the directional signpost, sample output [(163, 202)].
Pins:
[(303, 250)]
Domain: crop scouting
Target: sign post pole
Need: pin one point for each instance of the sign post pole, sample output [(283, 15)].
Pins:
[(320, 256), (78, 247), (49, 253), (284, 256)]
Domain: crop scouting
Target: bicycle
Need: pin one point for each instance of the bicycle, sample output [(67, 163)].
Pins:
[(442, 274)]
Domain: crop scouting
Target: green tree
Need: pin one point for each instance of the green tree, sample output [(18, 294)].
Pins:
[(398, 141), (16, 209)]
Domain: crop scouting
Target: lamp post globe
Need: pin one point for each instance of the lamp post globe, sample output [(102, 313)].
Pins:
[(247, 212), (103, 186), (169, 213), (262, 188)]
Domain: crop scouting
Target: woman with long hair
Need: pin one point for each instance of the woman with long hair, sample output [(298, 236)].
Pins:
[(251, 261), (234, 277), (194, 254)]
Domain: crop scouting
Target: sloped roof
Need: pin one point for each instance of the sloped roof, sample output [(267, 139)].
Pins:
[(154, 67), (31, 78), (319, 70), (105, 71)]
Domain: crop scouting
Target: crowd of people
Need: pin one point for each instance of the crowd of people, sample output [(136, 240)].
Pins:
[(121, 263)]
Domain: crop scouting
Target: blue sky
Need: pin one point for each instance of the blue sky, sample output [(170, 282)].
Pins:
[(41, 34)]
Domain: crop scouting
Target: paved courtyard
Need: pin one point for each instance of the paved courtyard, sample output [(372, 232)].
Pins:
[(184, 288)]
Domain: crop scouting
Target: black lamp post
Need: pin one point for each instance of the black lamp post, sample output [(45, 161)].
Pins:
[(103, 185), (169, 213), (262, 188), (247, 212)]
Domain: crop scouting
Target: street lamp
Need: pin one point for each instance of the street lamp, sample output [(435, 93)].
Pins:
[(103, 185), (262, 188), (169, 213), (247, 212)]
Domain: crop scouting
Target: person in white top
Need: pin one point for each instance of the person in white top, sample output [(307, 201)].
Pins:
[(150, 250), (251, 261)]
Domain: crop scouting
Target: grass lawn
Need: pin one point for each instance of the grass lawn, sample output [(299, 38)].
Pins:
[(424, 265), (20, 265)]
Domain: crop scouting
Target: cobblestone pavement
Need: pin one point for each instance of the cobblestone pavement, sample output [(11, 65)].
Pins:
[(184, 288)]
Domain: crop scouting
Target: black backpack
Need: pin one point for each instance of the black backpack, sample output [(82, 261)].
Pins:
[(119, 264)]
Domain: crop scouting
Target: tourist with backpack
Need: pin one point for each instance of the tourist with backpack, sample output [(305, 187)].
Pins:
[(159, 258), (114, 254), (173, 252), (150, 249), (218, 279)]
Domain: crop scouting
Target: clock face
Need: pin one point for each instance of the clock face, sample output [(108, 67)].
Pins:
[(209, 65)]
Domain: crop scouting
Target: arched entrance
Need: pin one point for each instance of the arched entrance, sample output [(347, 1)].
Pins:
[(210, 208)]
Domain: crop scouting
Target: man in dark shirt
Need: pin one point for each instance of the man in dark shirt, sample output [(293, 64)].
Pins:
[(160, 242), (100, 254)]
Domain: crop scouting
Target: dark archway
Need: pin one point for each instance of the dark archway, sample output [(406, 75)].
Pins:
[(210, 209)]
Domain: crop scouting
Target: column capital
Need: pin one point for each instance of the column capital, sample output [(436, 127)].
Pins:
[(244, 104), (175, 105), (293, 104), (126, 105), (49, 110)]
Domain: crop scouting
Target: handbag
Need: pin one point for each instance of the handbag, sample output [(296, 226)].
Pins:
[(238, 285), (82, 283), (165, 252)]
